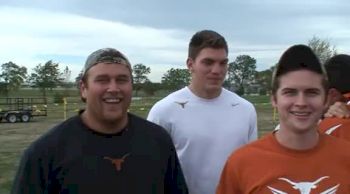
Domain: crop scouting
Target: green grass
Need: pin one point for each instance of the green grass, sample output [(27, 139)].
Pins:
[(14, 138)]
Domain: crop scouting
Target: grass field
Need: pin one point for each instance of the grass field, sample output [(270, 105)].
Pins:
[(15, 137)]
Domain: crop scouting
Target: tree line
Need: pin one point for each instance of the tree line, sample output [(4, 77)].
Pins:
[(242, 76)]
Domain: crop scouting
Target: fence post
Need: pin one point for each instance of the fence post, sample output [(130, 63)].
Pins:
[(64, 108)]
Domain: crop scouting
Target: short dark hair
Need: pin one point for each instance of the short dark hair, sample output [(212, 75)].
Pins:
[(338, 70), (298, 57), (205, 39)]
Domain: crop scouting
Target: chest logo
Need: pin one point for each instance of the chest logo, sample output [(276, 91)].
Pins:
[(305, 187), (117, 162), (182, 104)]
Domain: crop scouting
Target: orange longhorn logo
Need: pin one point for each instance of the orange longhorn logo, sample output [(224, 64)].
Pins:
[(117, 162)]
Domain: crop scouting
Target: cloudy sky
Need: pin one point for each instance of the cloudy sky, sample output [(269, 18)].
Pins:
[(156, 32)]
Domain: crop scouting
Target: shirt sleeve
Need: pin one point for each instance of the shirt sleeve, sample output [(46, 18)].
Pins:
[(158, 115), (174, 178), (228, 184), (30, 177), (253, 130)]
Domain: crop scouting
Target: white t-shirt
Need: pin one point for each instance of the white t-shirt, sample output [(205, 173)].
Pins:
[(205, 132)]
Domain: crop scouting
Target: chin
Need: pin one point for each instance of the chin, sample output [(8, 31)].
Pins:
[(214, 87), (304, 128)]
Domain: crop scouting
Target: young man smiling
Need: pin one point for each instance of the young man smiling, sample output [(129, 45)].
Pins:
[(104, 149), (205, 121), (296, 158)]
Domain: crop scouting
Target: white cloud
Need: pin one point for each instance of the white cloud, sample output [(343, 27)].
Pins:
[(68, 31), (34, 36)]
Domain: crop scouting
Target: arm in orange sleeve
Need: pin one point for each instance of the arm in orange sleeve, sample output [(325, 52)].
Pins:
[(229, 183)]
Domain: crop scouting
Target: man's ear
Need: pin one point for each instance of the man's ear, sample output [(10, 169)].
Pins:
[(82, 88), (189, 63), (273, 100), (333, 96)]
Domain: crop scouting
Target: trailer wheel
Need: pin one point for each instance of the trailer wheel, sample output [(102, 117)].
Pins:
[(11, 118), (25, 118)]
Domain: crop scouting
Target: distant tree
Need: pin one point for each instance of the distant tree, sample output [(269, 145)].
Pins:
[(65, 75), (264, 78), (140, 73), (45, 76), (12, 77), (175, 79), (65, 81), (78, 78), (150, 88), (241, 71), (322, 48)]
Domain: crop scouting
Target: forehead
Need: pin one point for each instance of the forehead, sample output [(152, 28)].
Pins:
[(212, 53), (300, 79), (109, 69)]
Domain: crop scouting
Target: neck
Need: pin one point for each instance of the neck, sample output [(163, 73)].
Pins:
[(297, 141), (202, 93), (101, 126)]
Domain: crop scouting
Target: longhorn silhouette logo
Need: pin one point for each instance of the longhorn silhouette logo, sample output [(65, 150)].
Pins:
[(182, 104), (305, 187), (117, 162)]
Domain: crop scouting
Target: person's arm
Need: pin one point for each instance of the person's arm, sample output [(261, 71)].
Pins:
[(253, 131), (30, 175), (228, 182), (338, 109), (174, 179)]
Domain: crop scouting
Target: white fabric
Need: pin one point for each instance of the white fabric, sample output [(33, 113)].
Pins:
[(205, 132)]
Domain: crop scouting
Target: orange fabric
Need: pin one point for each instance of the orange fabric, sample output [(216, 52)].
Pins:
[(337, 127), (265, 166)]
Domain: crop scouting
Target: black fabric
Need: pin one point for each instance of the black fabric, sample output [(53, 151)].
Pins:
[(298, 57), (71, 158), (338, 70)]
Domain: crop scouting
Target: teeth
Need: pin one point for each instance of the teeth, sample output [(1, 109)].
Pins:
[(112, 100), (300, 113)]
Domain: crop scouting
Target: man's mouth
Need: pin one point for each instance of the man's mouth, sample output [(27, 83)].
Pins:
[(300, 114), (112, 100)]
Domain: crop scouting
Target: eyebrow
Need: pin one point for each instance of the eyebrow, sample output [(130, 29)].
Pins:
[(211, 59), (118, 76)]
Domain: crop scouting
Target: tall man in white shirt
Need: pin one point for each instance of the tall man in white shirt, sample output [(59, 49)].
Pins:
[(206, 122)]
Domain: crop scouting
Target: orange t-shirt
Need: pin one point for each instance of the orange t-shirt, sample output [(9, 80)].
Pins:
[(265, 166), (337, 127)]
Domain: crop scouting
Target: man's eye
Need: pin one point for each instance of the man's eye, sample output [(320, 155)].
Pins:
[(122, 80), (101, 80), (289, 92), (206, 62), (313, 93)]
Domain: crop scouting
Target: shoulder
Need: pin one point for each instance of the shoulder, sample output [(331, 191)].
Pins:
[(335, 142), (169, 101), (148, 128), (54, 136), (237, 99), (249, 151), (245, 155), (336, 148), (177, 95)]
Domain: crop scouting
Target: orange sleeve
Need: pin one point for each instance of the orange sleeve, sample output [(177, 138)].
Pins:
[(229, 183)]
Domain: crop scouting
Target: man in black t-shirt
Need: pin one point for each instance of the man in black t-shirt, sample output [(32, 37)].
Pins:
[(104, 149)]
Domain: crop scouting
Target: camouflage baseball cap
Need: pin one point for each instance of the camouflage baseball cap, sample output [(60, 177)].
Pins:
[(105, 55)]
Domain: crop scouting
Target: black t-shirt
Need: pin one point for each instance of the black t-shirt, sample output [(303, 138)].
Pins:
[(71, 158)]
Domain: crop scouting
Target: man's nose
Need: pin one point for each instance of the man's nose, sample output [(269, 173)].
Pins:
[(301, 100), (113, 87), (217, 68)]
